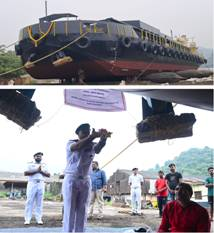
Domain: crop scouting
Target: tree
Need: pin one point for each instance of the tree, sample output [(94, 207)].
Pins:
[(193, 162), (9, 61)]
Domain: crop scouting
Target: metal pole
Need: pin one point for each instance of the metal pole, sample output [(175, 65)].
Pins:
[(171, 33), (46, 7)]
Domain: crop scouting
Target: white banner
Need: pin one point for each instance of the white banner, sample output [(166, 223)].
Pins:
[(96, 99)]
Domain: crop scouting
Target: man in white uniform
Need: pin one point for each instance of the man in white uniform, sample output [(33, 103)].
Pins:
[(36, 173), (135, 182), (77, 182)]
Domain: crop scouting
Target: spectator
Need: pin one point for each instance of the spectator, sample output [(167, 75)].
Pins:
[(184, 215), (209, 183), (162, 193), (173, 179), (98, 179), (135, 182), (36, 173)]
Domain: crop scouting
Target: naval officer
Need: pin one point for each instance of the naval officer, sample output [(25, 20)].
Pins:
[(77, 182), (36, 173)]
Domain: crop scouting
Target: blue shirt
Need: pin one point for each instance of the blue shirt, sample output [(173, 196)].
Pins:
[(98, 179)]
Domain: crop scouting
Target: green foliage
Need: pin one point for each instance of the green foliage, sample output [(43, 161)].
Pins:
[(3, 194), (48, 196), (193, 162), (108, 203), (9, 61)]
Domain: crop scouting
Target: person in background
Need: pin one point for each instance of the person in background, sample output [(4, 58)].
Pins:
[(135, 183), (98, 179), (209, 183), (61, 177), (77, 182), (173, 179), (162, 192), (36, 172), (184, 215)]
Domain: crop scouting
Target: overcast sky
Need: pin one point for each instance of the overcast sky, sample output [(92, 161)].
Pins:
[(59, 122), (190, 17)]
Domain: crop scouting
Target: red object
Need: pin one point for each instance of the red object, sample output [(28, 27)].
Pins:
[(96, 70), (193, 218), (159, 185)]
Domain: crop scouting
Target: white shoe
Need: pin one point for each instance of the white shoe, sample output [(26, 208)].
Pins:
[(40, 222), (26, 223)]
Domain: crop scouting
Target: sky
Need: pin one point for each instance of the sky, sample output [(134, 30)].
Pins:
[(59, 122), (191, 17)]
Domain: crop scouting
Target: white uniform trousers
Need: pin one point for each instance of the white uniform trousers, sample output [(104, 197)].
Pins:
[(35, 193), (76, 196), (136, 200)]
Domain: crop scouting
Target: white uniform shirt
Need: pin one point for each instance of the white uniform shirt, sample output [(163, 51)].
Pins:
[(135, 180), (79, 162), (33, 166)]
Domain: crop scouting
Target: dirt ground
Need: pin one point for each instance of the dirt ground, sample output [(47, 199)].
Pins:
[(12, 212)]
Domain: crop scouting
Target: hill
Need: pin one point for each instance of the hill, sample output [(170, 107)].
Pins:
[(191, 163), (208, 54)]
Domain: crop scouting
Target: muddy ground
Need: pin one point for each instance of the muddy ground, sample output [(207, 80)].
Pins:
[(12, 212)]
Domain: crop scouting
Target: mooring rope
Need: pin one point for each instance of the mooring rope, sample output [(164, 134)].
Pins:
[(130, 144), (46, 56)]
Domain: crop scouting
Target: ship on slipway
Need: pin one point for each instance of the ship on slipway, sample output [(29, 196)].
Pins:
[(61, 46)]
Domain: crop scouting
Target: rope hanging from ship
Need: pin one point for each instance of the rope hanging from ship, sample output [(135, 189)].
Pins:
[(46, 56), (3, 47)]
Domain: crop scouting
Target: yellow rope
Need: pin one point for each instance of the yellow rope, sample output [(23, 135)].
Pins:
[(29, 30), (2, 49), (11, 71), (48, 55), (119, 153), (7, 46)]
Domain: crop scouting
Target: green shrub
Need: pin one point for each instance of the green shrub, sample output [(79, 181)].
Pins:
[(9, 61), (49, 196), (3, 194)]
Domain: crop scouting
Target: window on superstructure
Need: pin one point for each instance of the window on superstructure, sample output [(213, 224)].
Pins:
[(152, 37), (149, 36), (143, 35), (159, 40), (155, 38), (163, 41), (102, 28)]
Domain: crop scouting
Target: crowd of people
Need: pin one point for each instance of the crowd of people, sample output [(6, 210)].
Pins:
[(178, 212), (84, 183)]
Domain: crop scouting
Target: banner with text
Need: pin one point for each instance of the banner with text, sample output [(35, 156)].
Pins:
[(96, 99)]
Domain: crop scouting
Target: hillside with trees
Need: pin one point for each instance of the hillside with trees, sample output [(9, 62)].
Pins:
[(191, 163)]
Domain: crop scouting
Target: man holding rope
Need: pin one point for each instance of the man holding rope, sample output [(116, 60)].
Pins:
[(77, 182)]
